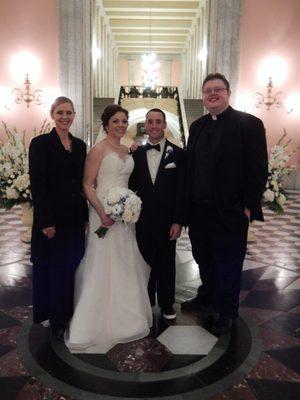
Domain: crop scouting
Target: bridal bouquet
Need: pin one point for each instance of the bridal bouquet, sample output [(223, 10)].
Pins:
[(120, 204), (274, 196)]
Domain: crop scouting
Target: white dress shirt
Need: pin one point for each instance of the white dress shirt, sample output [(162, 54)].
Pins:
[(154, 157)]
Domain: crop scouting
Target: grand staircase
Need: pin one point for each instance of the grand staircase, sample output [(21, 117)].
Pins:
[(193, 108)]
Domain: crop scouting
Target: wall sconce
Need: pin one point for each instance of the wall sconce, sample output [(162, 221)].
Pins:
[(269, 99), (18, 95)]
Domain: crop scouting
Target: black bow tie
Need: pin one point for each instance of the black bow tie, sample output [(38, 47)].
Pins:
[(152, 146)]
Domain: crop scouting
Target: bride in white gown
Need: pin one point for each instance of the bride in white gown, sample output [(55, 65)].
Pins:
[(111, 297)]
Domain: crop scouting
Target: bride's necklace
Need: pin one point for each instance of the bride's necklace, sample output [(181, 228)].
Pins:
[(118, 146)]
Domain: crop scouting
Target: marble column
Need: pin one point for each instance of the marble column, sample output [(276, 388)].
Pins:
[(75, 60), (224, 39), (167, 72), (131, 71)]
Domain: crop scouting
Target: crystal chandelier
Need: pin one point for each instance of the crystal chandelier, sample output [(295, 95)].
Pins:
[(150, 68), (149, 65)]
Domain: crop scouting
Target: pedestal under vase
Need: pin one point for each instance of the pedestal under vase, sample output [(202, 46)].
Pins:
[(27, 219)]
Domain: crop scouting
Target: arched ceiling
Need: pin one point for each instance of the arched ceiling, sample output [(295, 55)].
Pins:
[(144, 25)]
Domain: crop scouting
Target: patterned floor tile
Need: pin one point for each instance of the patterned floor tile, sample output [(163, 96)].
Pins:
[(145, 355), (11, 386), (278, 283), (10, 365), (285, 322), (274, 339), (7, 321), (8, 335), (35, 390), (274, 300), (274, 390), (294, 285), (197, 340), (240, 391), (270, 295), (289, 357), (269, 368), (260, 316)]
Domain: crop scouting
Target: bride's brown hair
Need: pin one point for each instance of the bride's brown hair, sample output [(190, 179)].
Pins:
[(109, 111)]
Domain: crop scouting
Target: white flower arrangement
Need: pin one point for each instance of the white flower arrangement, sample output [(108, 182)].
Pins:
[(120, 204), (274, 196), (169, 151), (14, 172)]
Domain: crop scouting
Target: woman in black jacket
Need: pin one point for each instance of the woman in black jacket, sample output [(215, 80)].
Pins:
[(56, 162)]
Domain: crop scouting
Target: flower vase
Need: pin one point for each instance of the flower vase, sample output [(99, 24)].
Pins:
[(27, 219)]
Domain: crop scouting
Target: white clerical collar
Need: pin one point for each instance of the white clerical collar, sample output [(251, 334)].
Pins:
[(221, 115)]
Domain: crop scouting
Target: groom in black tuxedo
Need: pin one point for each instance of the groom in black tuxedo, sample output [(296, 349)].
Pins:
[(158, 178)]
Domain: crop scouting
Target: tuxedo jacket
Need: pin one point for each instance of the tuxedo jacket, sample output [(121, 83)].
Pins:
[(56, 181), (163, 200), (241, 164)]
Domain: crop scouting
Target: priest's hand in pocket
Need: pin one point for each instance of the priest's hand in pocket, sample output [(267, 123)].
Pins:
[(247, 213), (49, 232), (175, 231)]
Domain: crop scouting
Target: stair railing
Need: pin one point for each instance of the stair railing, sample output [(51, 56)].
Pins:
[(159, 92)]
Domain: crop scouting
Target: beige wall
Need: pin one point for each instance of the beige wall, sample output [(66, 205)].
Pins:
[(271, 27), (123, 72), (28, 26), (176, 73)]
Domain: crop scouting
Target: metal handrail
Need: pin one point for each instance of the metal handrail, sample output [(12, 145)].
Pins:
[(159, 92)]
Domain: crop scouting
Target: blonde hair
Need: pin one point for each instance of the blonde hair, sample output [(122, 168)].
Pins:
[(60, 100)]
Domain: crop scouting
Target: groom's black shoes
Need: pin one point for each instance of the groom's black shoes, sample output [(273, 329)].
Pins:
[(168, 313)]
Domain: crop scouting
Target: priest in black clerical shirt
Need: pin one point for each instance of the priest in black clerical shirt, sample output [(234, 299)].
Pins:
[(227, 167)]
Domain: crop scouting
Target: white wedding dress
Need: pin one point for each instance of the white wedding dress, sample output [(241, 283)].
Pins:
[(111, 297)]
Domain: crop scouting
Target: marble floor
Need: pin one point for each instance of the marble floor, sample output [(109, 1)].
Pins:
[(259, 359)]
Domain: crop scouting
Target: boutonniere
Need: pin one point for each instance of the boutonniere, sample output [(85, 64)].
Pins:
[(169, 151)]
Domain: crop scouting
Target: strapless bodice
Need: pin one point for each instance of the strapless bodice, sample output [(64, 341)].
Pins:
[(113, 171)]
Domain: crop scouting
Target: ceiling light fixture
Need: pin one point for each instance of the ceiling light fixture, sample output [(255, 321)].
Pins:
[(149, 65)]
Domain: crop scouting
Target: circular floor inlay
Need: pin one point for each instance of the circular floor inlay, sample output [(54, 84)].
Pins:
[(174, 370)]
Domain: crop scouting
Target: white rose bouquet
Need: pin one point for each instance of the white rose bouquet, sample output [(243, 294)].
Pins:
[(120, 204), (14, 173), (274, 196)]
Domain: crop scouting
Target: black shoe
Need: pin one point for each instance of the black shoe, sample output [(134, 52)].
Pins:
[(222, 325), (193, 304), (168, 313), (59, 333)]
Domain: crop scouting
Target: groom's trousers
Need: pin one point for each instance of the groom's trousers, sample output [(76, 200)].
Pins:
[(159, 252)]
